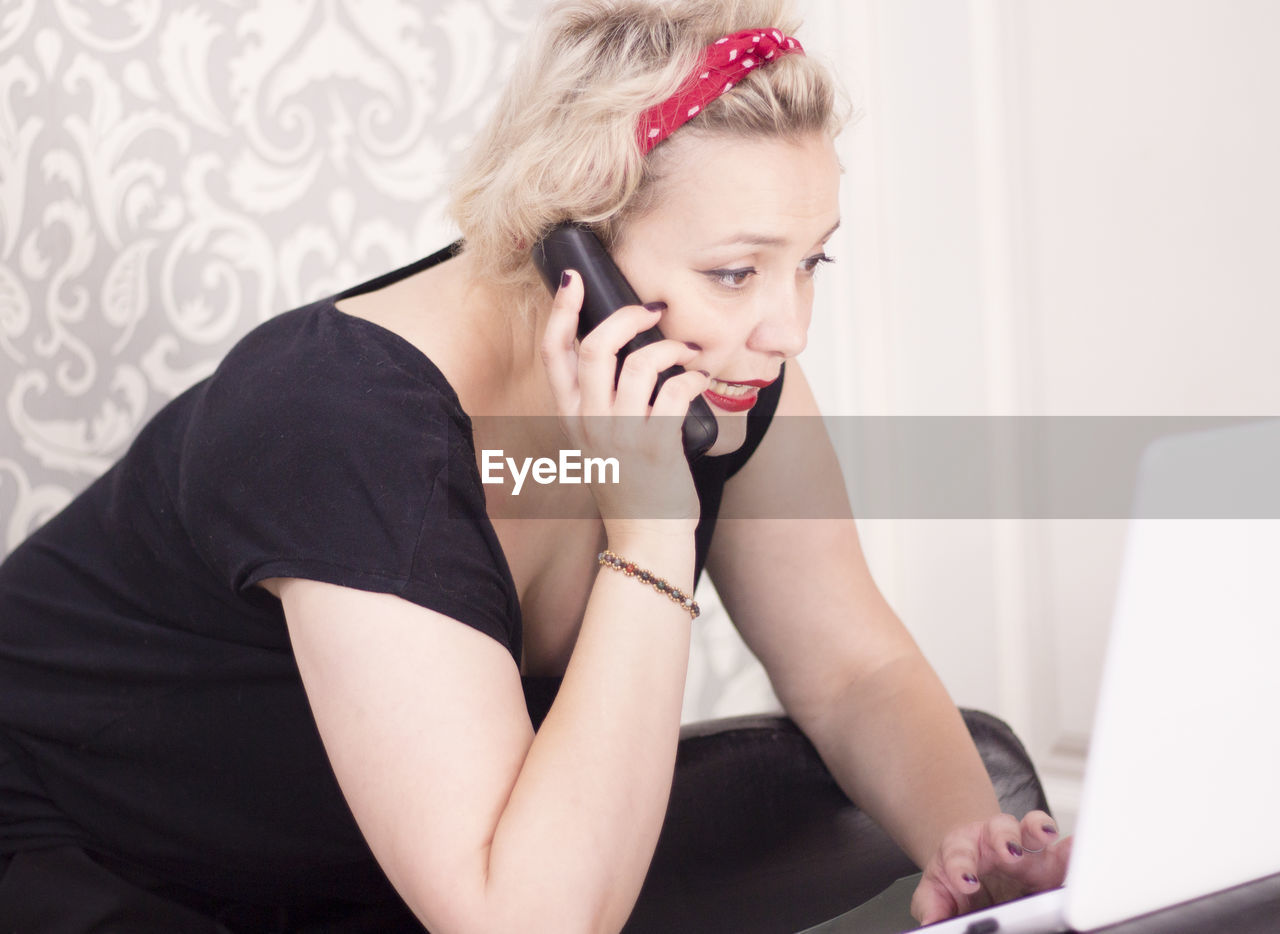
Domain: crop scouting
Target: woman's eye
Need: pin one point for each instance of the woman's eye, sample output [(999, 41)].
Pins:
[(811, 264), (731, 278)]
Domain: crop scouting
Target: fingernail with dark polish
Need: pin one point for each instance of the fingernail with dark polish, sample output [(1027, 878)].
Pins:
[(705, 373), (692, 346), (1015, 849), (655, 306), (971, 879), (565, 279), (1048, 829)]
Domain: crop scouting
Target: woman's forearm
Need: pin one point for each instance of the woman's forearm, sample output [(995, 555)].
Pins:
[(897, 745), (579, 830)]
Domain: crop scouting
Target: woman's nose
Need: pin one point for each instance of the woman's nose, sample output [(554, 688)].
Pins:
[(783, 328)]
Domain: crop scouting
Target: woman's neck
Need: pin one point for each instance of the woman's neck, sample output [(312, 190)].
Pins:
[(498, 354)]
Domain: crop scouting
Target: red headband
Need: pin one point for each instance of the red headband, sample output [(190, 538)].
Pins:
[(724, 63)]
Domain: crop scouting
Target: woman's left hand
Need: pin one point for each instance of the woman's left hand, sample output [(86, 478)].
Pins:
[(985, 862)]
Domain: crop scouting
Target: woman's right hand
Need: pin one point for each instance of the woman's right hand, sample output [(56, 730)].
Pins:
[(655, 485)]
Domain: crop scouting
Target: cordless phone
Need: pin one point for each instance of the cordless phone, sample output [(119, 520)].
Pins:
[(571, 246)]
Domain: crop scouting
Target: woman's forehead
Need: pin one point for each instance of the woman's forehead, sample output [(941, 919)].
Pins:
[(728, 186)]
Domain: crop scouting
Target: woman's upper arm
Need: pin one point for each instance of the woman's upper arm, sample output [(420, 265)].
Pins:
[(424, 721), (787, 563)]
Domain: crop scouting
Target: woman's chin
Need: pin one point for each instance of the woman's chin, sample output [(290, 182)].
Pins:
[(731, 432)]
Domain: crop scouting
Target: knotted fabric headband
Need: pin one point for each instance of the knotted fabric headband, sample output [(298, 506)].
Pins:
[(725, 63)]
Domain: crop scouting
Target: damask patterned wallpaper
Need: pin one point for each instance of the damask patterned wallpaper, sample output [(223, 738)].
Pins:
[(173, 172)]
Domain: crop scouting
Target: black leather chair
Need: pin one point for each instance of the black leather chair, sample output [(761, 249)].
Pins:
[(759, 839)]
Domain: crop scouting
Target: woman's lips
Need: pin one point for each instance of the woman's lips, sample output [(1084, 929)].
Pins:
[(734, 396)]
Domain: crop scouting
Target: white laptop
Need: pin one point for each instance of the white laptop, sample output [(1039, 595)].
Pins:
[(1184, 761)]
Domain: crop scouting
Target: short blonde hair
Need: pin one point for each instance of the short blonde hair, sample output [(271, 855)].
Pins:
[(561, 144)]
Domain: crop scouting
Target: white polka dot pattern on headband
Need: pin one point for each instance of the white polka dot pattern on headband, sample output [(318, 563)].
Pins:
[(725, 63)]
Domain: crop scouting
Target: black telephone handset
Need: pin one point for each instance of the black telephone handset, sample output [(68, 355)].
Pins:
[(571, 246)]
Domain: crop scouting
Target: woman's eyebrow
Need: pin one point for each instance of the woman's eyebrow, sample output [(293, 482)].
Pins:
[(766, 240)]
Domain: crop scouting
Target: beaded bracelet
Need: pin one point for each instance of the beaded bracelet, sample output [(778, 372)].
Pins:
[(608, 559)]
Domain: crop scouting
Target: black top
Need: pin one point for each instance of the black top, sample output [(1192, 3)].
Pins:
[(151, 709)]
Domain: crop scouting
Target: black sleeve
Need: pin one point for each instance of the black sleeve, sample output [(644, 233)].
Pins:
[(326, 448)]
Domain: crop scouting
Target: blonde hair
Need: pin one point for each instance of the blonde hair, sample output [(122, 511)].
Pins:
[(561, 144)]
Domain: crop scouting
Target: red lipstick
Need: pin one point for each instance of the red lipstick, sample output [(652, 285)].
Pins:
[(736, 403)]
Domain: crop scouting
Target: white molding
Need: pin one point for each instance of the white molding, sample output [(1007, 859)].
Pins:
[(864, 211), (1027, 664), (994, 159), (988, 36)]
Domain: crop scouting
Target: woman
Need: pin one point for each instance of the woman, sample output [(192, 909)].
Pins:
[(295, 603)]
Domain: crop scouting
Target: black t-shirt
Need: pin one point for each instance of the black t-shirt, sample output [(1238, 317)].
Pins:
[(151, 709)]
